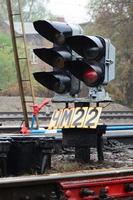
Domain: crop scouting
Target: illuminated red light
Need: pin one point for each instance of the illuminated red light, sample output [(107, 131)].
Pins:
[(90, 77)]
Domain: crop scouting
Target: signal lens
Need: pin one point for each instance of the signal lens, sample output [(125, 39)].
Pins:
[(90, 77), (59, 62), (91, 53), (59, 38)]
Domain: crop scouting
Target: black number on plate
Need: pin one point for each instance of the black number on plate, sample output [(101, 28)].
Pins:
[(93, 113), (77, 121)]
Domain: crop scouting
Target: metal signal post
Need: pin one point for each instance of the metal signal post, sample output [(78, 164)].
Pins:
[(74, 58)]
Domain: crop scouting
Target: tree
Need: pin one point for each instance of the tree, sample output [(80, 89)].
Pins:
[(114, 19), (32, 10)]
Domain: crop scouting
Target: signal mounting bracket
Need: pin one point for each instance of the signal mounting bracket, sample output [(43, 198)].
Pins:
[(98, 94)]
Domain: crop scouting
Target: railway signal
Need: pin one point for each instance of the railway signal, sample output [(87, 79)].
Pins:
[(60, 80), (96, 66)]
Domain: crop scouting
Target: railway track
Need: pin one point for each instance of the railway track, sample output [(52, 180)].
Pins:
[(100, 184), (10, 122), (18, 116), (109, 134), (91, 185)]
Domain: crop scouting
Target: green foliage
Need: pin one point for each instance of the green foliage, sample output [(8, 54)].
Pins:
[(32, 10), (36, 9), (7, 67)]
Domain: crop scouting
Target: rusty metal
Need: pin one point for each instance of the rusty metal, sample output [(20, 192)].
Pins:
[(90, 185), (18, 58), (17, 64)]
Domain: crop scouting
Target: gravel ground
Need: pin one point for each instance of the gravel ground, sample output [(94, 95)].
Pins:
[(116, 155), (14, 104)]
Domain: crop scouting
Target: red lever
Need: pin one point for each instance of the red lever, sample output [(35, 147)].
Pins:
[(24, 130), (37, 108)]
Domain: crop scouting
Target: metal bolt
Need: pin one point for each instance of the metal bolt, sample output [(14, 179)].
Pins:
[(129, 187), (103, 195), (85, 192), (68, 193), (53, 196), (25, 198), (41, 197)]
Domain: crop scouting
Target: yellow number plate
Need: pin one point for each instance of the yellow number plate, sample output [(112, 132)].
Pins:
[(79, 117)]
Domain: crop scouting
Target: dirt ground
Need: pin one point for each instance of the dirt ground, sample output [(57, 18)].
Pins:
[(8, 103)]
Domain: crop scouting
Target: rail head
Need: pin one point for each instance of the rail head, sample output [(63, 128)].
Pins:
[(51, 178)]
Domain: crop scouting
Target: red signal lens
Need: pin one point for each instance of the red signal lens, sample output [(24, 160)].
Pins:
[(90, 77)]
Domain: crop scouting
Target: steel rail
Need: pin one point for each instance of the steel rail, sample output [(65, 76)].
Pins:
[(11, 133), (32, 180), (47, 112), (60, 186), (18, 116)]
